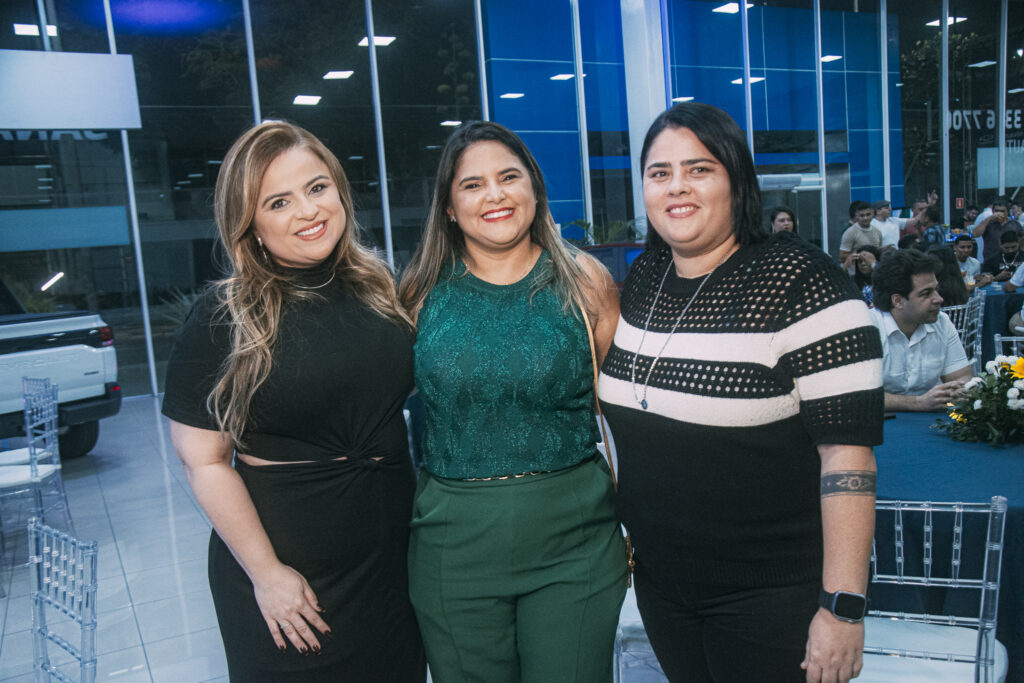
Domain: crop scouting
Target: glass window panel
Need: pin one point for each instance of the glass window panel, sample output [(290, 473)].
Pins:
[(1015, 100), (295, 45), (919, 48), (428, 80), (72, 183), (973, 89), (529, 50), (195, 100), (15, 18), (611, 185), (785, 115), (706, 56)]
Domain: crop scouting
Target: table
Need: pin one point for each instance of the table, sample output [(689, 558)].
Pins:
[(919, 463), (999, 306)]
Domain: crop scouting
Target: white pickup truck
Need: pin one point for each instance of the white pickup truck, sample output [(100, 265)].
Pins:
[(76, 352)]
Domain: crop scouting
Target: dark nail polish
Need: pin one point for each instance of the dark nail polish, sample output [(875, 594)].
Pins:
[(305, 652)]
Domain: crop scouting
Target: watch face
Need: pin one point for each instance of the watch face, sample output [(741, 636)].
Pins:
[(849, 605)]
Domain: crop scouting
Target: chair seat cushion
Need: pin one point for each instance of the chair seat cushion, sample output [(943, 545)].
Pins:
[(14, 476), (15, 456), (893, 634)]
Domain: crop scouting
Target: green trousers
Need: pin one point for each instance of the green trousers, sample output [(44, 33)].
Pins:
[(518, 579)]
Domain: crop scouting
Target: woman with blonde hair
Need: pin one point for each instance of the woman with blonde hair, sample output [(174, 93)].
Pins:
[(517, 565), (296, 366)]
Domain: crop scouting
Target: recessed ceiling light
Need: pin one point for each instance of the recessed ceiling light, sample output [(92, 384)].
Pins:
[(899, 85), (184, 182), (682, 99), (195, 175), (433, 147), (33, 30), (753, 79), (379, 41), (51, 281), (981, 65), (562, 77), (831, 58), (306, 99), (44, 180), (949, 21), (44, 165), (334, 75), (451, 123), (1015, 91), (214, 162), (512, 95), (44, 187), (356, 157), (730, 8)]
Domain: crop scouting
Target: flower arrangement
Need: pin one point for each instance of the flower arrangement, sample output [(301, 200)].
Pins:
[(992, 406)]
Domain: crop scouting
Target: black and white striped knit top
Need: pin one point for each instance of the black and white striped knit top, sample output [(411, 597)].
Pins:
[(719, 477)]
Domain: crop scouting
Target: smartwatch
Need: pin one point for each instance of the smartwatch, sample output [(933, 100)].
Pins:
[(843, 605)]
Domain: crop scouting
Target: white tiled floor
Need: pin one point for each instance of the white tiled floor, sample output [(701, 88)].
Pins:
[(156, 618)]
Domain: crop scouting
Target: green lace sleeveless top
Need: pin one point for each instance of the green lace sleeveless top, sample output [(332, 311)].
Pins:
[(507, 380)]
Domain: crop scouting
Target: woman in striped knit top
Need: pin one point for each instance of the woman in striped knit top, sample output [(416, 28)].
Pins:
[(743, 389)]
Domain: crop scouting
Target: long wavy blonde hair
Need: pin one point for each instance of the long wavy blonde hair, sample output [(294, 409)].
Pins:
[(252, 297), (443, 242)]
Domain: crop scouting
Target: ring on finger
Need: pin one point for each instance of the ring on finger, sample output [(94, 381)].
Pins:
[(285, 626)]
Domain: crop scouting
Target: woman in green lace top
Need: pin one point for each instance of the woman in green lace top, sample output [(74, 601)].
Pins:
[(517, 564)]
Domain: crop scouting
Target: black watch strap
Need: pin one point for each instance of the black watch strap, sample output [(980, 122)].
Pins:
[(844, 605)]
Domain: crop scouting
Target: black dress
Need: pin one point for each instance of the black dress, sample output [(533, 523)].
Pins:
[(340, 376)]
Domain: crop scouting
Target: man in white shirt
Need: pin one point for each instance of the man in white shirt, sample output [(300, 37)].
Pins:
[(887, 225), (924, 366), (970, 267)]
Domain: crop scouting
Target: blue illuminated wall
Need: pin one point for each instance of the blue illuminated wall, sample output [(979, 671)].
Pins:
[(530, 41)]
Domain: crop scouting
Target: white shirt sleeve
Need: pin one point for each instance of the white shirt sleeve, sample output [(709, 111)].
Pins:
[(1018, 277)]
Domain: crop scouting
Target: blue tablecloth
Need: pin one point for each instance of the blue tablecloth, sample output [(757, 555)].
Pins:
[(919, 463), (999, 306)]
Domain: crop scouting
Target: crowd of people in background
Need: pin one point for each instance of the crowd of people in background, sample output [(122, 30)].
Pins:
[(908, 268)]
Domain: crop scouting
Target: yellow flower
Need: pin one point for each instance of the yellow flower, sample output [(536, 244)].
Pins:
[(956, 416), (1017, 367)]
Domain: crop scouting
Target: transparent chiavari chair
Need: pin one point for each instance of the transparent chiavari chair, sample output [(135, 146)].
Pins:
[(45, 434), (635, 661), (936, 556), (1009, 346), (42, 471), (63, 572)]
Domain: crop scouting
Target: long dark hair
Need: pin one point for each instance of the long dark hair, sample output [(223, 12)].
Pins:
[(951, 282), (717, 131), (443, 242)]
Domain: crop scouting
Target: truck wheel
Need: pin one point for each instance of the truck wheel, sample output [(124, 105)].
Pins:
[(78, 440)]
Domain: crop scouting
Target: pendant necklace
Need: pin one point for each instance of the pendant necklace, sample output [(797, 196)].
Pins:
[(642, 399)]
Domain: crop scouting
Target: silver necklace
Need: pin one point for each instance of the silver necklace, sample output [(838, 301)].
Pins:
[(642, 399), (329, 281)]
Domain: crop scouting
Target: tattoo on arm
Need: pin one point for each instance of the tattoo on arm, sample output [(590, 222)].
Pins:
[(848, 483)]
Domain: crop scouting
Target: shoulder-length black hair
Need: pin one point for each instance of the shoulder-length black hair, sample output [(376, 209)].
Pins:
[(717, 131)]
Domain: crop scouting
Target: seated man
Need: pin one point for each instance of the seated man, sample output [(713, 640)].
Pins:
[(1002, 266), (970, 267), (924, 365)]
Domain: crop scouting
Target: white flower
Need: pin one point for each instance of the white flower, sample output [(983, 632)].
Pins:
[(1019, 384), (1015, 403), (976, 381), (999, 360), (977, 404), (1013, 392), (990, 367)]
